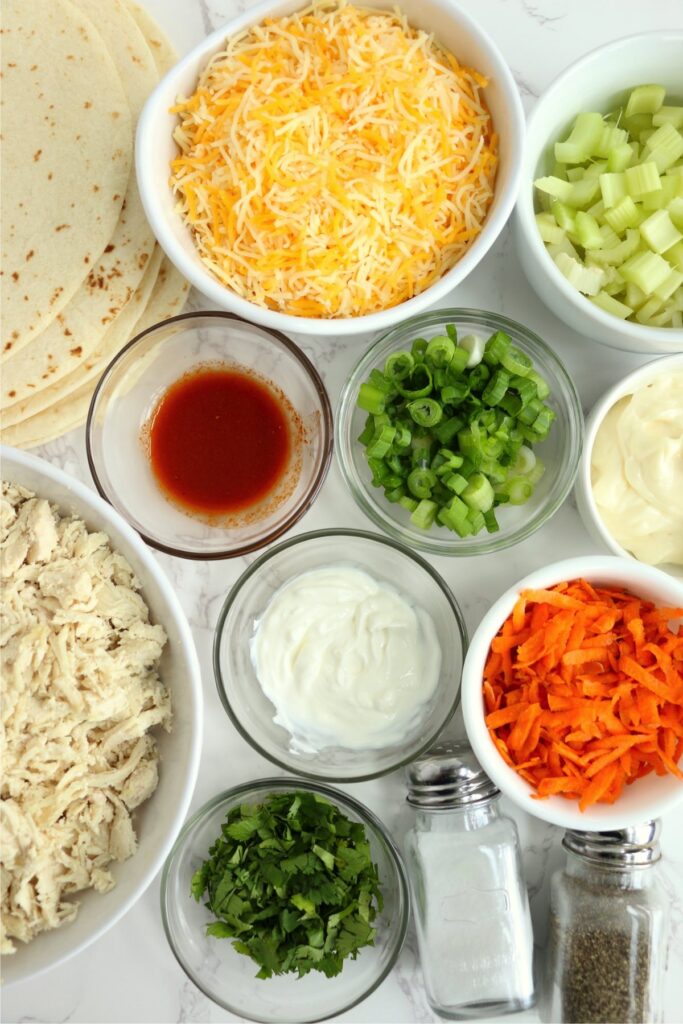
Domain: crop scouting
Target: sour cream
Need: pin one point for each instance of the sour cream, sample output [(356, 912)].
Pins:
[(346, 660), (637, 471)]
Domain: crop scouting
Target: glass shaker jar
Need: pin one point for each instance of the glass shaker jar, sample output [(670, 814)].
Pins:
[(608, 929), (469, 898)]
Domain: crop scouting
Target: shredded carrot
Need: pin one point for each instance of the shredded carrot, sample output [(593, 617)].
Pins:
[(584, 691)]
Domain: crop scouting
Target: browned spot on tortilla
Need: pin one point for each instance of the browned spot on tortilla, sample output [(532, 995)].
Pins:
[(15, 276), (142, 259), (109, 248), (76, 351), (29, 255), (87, 104), (15, 334), (60, 227), (11, 393), (86, 259), (50, 176), (8, 345), (36, 156), (115, 114), (67, 332), (96, 188)]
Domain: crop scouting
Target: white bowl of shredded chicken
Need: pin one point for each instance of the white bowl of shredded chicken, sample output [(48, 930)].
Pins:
[(332, 168), (101, 716)]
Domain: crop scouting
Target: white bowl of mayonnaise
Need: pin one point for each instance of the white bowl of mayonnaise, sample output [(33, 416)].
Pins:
[(338, 654), (629, 488)]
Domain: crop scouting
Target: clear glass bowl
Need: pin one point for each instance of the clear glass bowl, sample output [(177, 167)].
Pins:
[(252, 712), (131, 387), (560, 452), (228, 977)]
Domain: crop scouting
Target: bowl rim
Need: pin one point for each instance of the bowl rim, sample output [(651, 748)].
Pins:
[(221, 679), (334, 795), (565, 813), (326, 433), (524, 209), (88, 499), (164, 94), (456, 547), (623, 387)]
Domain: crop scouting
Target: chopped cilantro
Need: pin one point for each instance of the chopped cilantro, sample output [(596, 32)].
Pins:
[(292, 882)]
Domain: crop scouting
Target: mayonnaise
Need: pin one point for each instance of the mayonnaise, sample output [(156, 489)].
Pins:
[(346, 660), (637, 471)]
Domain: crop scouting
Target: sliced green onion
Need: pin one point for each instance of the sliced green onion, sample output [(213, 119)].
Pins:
[(399, 365), (426, 412), (440, 350)]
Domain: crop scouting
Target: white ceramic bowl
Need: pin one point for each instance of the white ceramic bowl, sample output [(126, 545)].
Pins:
[(159, 820), (649, 797), (583, 489), (155, 148), (597, 81)]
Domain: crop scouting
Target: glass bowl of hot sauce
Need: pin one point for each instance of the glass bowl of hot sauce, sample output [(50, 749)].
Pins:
[(211, 435)]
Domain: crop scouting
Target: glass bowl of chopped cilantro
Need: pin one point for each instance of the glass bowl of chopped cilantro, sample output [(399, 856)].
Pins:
[(284, 900), (459, 432)]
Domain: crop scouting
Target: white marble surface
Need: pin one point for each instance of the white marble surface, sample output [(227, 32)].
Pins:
[(130, 975)]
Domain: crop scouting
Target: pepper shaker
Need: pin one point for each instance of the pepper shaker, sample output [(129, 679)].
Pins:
[(608, 929), (470, 903)]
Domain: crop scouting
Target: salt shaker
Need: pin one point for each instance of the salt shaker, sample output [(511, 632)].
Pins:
[(608, 929), (470, 902)]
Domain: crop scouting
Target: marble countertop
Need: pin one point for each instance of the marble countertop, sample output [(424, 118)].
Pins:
[(130, 975)]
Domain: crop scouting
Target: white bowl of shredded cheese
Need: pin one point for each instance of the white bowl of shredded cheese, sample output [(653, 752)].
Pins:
[(160, 809), (366, 254)]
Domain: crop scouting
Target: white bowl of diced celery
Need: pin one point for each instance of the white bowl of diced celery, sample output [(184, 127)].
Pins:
[(599, 219)]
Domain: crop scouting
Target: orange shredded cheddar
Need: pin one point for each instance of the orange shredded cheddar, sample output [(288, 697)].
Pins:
[(334, 162), (583, 691)]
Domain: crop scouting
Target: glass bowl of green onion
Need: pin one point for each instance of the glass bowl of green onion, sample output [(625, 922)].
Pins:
[(285, 900), (459, 432)]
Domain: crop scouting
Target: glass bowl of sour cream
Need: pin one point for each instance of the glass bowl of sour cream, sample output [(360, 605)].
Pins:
[(629, 488), (338, 655)]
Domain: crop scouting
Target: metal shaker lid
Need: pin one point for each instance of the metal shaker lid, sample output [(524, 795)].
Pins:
[(448, 775), (637, 845)]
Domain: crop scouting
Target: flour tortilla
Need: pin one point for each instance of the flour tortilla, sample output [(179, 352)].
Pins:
[(78, 329), (166, 299), (162, 51), (71, 410), (66, 160)]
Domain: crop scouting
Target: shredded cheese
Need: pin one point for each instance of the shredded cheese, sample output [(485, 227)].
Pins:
[(335, 162)]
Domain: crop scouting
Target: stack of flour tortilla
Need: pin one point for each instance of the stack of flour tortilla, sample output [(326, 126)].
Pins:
[(81, 272)]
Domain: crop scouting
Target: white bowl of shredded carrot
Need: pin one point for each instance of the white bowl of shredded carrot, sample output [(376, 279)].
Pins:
[(572, 693), (334, 168)]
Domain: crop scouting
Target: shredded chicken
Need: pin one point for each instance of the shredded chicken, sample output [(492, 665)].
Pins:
[(81, 692)]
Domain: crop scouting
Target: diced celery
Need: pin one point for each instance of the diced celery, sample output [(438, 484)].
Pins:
[(610, 138), (645, 135), (564, 215), (668, 115), (582, 140), (597, 210), (588, 280), (584, 193), (674, 255), (636, 123), (595, 169), (650, 309), (645, 99), (635, 296), (641, 179), (665, 146), (564, 246), (613, 188), (618, 253), (669, 286), (620, 157), (548, 228), (555, 187), (588, 231), (575, 173), (675, 210), (659, 232), (611, 305), (622, 215), (609, 237), (646, 269)]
